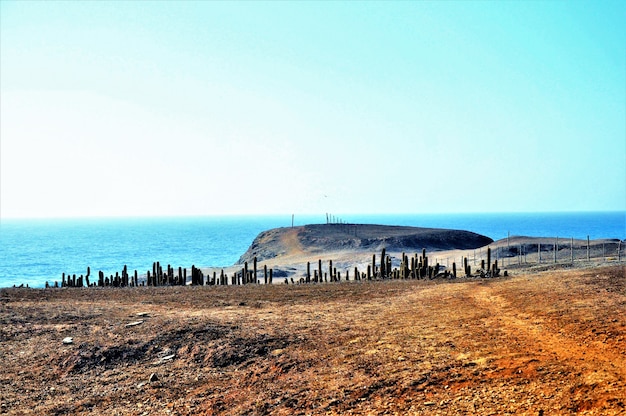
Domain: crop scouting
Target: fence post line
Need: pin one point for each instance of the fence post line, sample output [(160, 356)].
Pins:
[(556, 247)]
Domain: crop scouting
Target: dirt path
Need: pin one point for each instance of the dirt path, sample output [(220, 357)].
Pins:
[(546, 343), (563, 334), (291, 241), (537, 338)]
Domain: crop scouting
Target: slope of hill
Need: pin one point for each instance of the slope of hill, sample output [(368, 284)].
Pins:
[(324, 238)]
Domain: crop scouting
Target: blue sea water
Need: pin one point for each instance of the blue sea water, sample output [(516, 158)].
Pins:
[(36, 251)]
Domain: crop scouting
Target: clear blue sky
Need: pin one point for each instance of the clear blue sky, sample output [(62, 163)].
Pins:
[(200, 108)]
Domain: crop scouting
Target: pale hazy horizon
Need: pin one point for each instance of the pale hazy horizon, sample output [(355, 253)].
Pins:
[(126, 109)]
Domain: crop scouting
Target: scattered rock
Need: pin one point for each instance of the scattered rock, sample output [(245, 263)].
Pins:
[(153, 378), (134, 323), (68, 340), (164, 359)]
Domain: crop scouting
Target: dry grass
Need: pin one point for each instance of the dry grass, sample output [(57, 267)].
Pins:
[(551, 342)]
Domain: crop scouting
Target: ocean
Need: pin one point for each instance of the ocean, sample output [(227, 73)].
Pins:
[(35, 251)]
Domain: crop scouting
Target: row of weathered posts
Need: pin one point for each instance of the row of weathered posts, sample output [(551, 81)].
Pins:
[(413, 267), (167, 277), (418, 267)]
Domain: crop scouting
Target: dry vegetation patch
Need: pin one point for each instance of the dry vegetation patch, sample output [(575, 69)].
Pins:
[(548, 342)]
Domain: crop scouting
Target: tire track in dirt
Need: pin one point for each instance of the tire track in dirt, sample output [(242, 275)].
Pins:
[(539, 338), (592, 375)]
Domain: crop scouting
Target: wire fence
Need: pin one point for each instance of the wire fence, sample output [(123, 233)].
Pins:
[(544, 251)]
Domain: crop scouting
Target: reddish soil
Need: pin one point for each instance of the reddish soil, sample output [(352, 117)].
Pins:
[(548, 342)]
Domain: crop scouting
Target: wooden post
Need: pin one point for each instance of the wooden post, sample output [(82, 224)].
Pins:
[(587, 248), (319, 270), (374, 264), (539, 252), (556, 247), (571, 250), (308, 271)]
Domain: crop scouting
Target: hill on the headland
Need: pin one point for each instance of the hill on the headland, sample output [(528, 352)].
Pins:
[(322, 238)]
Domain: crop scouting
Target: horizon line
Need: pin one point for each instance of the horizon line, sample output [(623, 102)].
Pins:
[(323, 215)]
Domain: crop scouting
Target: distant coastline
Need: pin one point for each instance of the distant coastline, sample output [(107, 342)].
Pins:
[(33, 251)]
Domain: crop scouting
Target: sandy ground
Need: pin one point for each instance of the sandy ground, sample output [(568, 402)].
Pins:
[(292, 256), (546, 340)]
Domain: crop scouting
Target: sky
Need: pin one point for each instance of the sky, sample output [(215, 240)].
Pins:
[(210, 108)]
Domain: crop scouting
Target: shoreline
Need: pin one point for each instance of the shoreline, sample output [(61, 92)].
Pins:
[(293, 265), (35, 252)]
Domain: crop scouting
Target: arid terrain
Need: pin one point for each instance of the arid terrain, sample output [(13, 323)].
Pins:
[(549, 340)]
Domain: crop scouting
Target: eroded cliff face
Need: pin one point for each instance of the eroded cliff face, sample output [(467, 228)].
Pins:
[(320, 238)]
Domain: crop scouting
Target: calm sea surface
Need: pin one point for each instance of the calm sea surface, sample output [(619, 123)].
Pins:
[(36, 251)]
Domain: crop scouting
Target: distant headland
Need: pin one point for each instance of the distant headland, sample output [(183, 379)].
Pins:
[(324, 238)]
